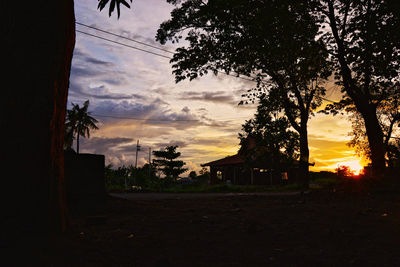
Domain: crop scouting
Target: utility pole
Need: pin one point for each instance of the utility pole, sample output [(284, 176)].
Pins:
[(137, 150), (149, 163)]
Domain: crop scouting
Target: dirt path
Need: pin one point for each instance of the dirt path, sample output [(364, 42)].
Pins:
[(165, 196), (318, 229)]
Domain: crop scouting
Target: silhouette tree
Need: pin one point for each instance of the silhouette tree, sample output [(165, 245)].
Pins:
[(343, 171), (167, 164), (193, 175), (277, 144), (363, 40), (272, 40), (80, 122), (39, 39), (388, 112)]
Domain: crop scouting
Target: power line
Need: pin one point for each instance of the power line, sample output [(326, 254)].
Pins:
[(126, 38), (153, 53), (129, 46), (150, 52)]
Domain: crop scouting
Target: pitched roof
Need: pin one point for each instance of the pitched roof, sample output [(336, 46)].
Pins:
[(230, 160)]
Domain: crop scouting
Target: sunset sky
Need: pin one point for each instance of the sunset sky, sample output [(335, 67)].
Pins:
[(134, 96)]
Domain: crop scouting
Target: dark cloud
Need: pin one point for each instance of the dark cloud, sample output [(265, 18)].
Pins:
[(157, 112), (215, 97), (83, 57), (102, 145), (87, 70), (99, 92), (147, 40)]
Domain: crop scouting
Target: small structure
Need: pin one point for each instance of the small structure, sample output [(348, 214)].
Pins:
[(235, 170), (245, 168)]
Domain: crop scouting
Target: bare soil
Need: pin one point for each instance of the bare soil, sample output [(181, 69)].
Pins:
[(331, 227)]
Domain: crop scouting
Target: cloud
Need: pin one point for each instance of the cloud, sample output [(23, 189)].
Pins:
[(210, 96), (93, 78), (103, 145), (99, 92), (156, 113), (162, 145)]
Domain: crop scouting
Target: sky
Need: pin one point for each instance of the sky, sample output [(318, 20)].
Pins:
[(134, 97)]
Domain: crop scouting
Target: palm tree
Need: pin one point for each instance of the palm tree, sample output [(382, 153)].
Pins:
[(80, 122)]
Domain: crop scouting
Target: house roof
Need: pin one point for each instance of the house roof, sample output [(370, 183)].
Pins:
[(230, 160)]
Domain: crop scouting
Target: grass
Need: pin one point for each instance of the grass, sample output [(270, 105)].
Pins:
[(317, 183), (224, 188)]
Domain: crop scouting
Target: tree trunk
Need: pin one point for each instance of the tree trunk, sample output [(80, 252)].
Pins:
[(361, 100), (304, 157), (375, 139), (77, 144), (39, 39)]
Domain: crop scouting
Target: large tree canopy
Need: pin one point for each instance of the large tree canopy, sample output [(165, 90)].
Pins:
[(388, 112), (363, 39), (285, 41), (274, 42)]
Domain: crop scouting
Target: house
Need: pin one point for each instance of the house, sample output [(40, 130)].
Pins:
[(247, 168)]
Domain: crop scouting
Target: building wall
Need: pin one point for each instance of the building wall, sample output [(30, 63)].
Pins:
[(84, 175)]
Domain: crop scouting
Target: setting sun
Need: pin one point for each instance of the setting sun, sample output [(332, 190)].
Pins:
[(354, 165)]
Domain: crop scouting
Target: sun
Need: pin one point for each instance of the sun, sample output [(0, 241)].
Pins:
[(354, 165)]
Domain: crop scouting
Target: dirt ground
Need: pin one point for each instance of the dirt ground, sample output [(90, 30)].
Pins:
[(323, 228)]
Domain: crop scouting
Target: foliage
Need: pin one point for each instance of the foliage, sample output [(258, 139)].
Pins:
[(203, 178), (193, 175), (363, 40), (113, 4), (167, 164), (124, 177), (388, 112), (343, 171), (275, 141), (272, 42), (79, 122)]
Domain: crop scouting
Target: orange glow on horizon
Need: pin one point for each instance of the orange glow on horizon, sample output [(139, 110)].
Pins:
[(354, 165)]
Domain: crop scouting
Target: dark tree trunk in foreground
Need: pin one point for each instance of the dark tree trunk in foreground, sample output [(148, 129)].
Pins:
[(39, 39), (375, 139), (361, 95), (304, 157)]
